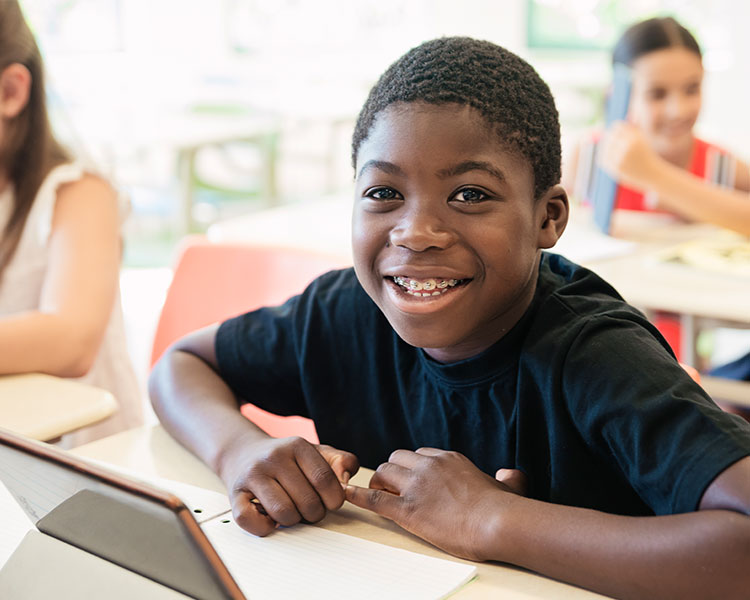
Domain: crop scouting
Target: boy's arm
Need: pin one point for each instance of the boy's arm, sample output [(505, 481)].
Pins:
[(292, 479), (443, 498), (627, 156)]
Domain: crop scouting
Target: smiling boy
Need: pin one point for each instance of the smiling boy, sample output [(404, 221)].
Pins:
[(457, 348)]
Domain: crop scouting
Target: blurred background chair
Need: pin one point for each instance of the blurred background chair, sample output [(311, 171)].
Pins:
[(213, 282)]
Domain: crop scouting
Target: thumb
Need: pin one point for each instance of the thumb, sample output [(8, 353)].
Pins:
[(513, 479), (343, 464)]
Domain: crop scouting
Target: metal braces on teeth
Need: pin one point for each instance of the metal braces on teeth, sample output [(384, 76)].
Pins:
[(428, 285)]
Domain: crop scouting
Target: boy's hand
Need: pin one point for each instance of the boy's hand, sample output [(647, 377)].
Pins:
[(282, 481), (441, 497)]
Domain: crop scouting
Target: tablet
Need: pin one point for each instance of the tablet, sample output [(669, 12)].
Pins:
[(131, 524)]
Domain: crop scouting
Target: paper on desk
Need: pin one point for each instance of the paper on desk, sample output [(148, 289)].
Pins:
[(727, 254), (310, 562), (204, 503)]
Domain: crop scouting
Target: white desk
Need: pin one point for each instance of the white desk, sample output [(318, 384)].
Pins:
[(153, 451), (44, 407)]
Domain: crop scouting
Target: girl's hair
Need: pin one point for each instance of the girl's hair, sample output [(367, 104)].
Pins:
[(503, 88), (651, 35), (28, 149)]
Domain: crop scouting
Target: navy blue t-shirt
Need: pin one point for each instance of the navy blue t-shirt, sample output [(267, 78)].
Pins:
[(582, 394)]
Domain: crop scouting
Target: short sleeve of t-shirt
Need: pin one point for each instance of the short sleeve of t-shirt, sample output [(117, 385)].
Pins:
[(257, 357), (290, 359), (637, 407)]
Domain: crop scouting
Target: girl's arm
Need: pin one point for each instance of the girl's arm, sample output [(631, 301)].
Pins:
[(62, 336), (441, 497), (627, 156)]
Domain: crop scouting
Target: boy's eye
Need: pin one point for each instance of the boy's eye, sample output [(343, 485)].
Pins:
[(383, 193), (470, 196)]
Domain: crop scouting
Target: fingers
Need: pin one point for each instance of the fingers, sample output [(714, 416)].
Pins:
[(378, 501), (514, 479), (250, 516), (430, 451), (409, 459), (291, 481), (318, 482), (390, 477), (344, 464)]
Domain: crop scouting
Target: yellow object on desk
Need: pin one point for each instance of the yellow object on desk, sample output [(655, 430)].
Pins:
[(727, 254), (44, 407)]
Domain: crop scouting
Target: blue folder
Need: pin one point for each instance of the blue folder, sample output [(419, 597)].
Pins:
[(605, 188)]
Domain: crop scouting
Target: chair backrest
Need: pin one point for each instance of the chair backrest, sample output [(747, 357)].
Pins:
[(213, 282)]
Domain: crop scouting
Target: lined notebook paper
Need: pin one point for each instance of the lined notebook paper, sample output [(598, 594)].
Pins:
[(316, 564)]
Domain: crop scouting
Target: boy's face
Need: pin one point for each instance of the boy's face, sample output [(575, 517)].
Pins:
[(446, 231)]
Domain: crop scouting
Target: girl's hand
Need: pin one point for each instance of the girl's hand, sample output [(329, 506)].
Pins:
[(282, 481), (627, 156), (441, 497)]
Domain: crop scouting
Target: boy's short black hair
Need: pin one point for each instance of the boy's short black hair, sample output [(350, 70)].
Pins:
[(505, 89)]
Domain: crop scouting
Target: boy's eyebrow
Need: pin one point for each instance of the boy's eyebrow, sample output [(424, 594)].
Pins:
[(382, 165), (459, 169), (472, 165)]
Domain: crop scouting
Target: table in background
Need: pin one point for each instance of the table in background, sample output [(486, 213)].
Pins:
[(152, 451), (44, 407)]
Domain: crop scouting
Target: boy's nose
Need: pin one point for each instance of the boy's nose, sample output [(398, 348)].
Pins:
[(420, 230)]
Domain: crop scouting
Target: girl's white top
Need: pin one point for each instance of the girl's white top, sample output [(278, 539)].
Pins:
[(20, 290)]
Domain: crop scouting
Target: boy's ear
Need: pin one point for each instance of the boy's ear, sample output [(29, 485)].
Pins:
[(15, 87), (553, 210)]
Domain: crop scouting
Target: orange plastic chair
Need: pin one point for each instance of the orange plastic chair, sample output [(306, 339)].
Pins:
[(213, 282)]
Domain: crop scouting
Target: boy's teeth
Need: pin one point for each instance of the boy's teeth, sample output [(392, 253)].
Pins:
[(428, 285)]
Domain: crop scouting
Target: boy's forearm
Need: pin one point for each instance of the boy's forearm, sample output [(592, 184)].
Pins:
[(198, 409), (705, 554)]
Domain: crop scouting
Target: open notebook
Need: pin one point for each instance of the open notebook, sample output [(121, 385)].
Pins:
[(726, 254), (195, 547)]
